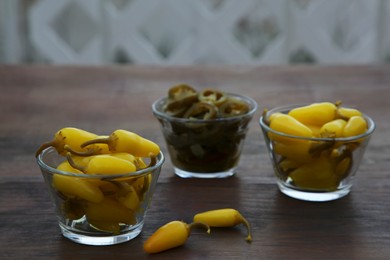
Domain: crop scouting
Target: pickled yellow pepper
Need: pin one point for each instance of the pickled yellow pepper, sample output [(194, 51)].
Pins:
[(171, 235), (223, 218), (289, 125), (76, 187), (122, 141), (104, 164), (70, 136), (315, 114), (333, 129), (356, 125), (346, 112)]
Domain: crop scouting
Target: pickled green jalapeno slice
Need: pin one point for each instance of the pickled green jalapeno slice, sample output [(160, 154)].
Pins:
[(202, 110), (181, 96), (233, 107), (213, 96)]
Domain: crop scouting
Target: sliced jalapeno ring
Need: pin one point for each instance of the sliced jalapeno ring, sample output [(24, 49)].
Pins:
[(179, 112), (213, 96), (184, 101), (180, 91), (202, 110), (234, 107)]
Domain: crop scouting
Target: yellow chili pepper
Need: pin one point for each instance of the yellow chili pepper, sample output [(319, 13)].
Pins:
[(90, 150), (128, 196), (70, 136), (299, 151), (289, 125), (104, 164), (223, 218), (73, 208), (109, 210), (317, 174), (333, 129), (356, 125), (171, 235), (122, 141), (346, 113), (83, 161), (106, 226), (288, 164), (72, 186), (139, 162), (315, 114), (271, 116), (141, 184), (315, 129), (343, 167)]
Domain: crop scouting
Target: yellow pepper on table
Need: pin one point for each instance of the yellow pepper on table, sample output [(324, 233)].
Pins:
[(223, 218), (176, 233), (171, 235)]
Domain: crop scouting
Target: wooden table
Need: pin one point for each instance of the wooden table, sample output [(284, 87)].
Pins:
[(36, 101)]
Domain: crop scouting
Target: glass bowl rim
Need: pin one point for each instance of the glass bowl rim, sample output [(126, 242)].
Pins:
[(370, 130), (250, 113), (51, 170)]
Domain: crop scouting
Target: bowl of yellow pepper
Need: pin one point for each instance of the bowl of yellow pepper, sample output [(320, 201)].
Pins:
[(101, 186), (316, 149), (204, 129)]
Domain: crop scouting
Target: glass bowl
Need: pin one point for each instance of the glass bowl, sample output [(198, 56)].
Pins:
[(96, 209), (314, 169), (204, 148)]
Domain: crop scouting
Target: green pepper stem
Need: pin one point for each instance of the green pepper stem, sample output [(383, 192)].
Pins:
[(248, 227), (153, 160), (264, 114), (44, 146), (316, 149), (73, 164), (89, 152), (103, 140)]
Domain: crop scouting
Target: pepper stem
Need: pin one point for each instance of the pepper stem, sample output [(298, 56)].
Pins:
[(198, 225), (264, 115), (317, 148), (248, 227), (153, 160), (72, 163), (103, 140), (89, 152), (44, 146)]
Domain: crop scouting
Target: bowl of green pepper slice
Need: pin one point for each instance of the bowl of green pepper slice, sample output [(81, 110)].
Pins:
[(204, 130)]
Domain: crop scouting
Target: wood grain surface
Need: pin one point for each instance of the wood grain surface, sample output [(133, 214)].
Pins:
[(36, 101)]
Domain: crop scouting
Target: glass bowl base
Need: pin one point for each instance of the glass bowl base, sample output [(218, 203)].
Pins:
[(99, 240), (204, 175), (313, 196)]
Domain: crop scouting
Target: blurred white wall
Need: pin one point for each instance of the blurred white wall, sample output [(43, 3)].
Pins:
[(194, 31)]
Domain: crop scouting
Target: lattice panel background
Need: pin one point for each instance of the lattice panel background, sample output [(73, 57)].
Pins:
[(196, 31)]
